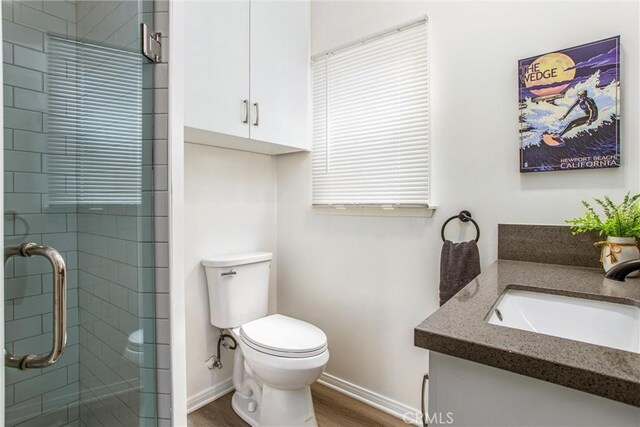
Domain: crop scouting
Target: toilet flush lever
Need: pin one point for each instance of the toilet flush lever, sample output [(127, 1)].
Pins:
[(229, 273)]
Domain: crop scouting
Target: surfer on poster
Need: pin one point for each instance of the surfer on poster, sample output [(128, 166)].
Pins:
[(588, 106)]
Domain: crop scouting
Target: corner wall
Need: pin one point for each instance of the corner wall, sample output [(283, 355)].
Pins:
[(368, 281), (230, 205)]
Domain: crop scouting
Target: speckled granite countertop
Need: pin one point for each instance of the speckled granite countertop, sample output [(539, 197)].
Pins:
[(460, 329)]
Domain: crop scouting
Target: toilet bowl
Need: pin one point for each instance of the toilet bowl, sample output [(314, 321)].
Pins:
[(283, 356), (277, 357)]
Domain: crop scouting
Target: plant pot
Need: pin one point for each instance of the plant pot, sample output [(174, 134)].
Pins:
[(617, 250)]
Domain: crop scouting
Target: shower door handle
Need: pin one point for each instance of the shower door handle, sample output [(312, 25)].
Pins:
[(34, 361)]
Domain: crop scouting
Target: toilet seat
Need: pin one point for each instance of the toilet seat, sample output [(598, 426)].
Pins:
[(283, 336)]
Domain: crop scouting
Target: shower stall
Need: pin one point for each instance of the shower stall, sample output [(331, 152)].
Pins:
[(84, 206)]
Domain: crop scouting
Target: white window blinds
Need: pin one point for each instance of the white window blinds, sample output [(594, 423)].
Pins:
[(371, 122), (94, 125)]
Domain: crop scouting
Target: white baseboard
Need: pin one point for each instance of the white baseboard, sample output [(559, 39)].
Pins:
[(375, 400), (209, 395), (378, 401)]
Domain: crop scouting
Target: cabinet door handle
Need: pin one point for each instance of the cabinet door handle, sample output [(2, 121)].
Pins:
[(246, 111), (257, 122)]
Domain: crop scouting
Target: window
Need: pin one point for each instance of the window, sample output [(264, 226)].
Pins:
[(94, 126), (371, 122)]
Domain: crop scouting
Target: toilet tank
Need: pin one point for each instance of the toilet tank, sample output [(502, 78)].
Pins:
[(238, 288)]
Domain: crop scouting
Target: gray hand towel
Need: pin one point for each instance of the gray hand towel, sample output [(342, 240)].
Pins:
[(459, 265)]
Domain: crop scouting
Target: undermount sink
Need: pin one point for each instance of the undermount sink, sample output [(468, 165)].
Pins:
[(596, 322)]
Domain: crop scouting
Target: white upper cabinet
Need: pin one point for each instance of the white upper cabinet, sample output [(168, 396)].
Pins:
[(247, 75), (217, 66), (280, 72)]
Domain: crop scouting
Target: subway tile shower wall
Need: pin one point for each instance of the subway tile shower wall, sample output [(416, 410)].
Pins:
[(117, 256), (43, 394)]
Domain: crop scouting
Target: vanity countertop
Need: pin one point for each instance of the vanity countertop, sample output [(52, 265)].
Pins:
[(460, 328)]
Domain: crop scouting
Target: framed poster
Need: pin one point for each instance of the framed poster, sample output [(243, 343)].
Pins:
[(569, 108)]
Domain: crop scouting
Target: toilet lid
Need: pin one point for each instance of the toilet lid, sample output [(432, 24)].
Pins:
[(284, 336)]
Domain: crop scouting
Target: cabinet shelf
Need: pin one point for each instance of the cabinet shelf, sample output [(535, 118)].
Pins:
[(217, 139)]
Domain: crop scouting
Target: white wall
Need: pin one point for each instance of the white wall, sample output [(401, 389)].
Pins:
[(230, 207), (367, 281)]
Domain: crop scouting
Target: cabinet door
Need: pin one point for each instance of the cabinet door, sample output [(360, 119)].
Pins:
[(217, 66), (280, 72)]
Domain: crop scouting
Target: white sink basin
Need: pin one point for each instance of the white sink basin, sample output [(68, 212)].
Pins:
[(596, 322)]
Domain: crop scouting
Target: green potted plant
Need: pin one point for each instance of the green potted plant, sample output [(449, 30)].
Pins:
[(620, 225)]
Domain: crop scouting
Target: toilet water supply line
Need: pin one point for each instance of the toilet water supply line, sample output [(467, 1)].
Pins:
[(245, 386), (217, 360)]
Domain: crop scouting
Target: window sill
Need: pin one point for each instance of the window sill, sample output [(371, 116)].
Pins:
[(410, 212)]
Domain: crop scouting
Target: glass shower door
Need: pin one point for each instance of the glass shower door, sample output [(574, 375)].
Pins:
[(79, 270)]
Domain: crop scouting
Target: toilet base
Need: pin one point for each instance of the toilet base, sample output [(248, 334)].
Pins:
[(240, 405), (277, 408)]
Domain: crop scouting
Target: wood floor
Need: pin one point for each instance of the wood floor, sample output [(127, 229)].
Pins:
[(333, 409)]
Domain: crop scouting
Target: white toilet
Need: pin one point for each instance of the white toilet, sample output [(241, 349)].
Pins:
[(278, 357)]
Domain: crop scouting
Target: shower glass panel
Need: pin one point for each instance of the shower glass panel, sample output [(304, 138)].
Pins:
[(78, 135)]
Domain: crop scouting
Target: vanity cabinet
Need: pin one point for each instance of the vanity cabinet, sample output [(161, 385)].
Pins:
[(247, 75), (472, 394)]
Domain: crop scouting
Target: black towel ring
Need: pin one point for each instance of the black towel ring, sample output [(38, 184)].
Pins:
[(464, 216)]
